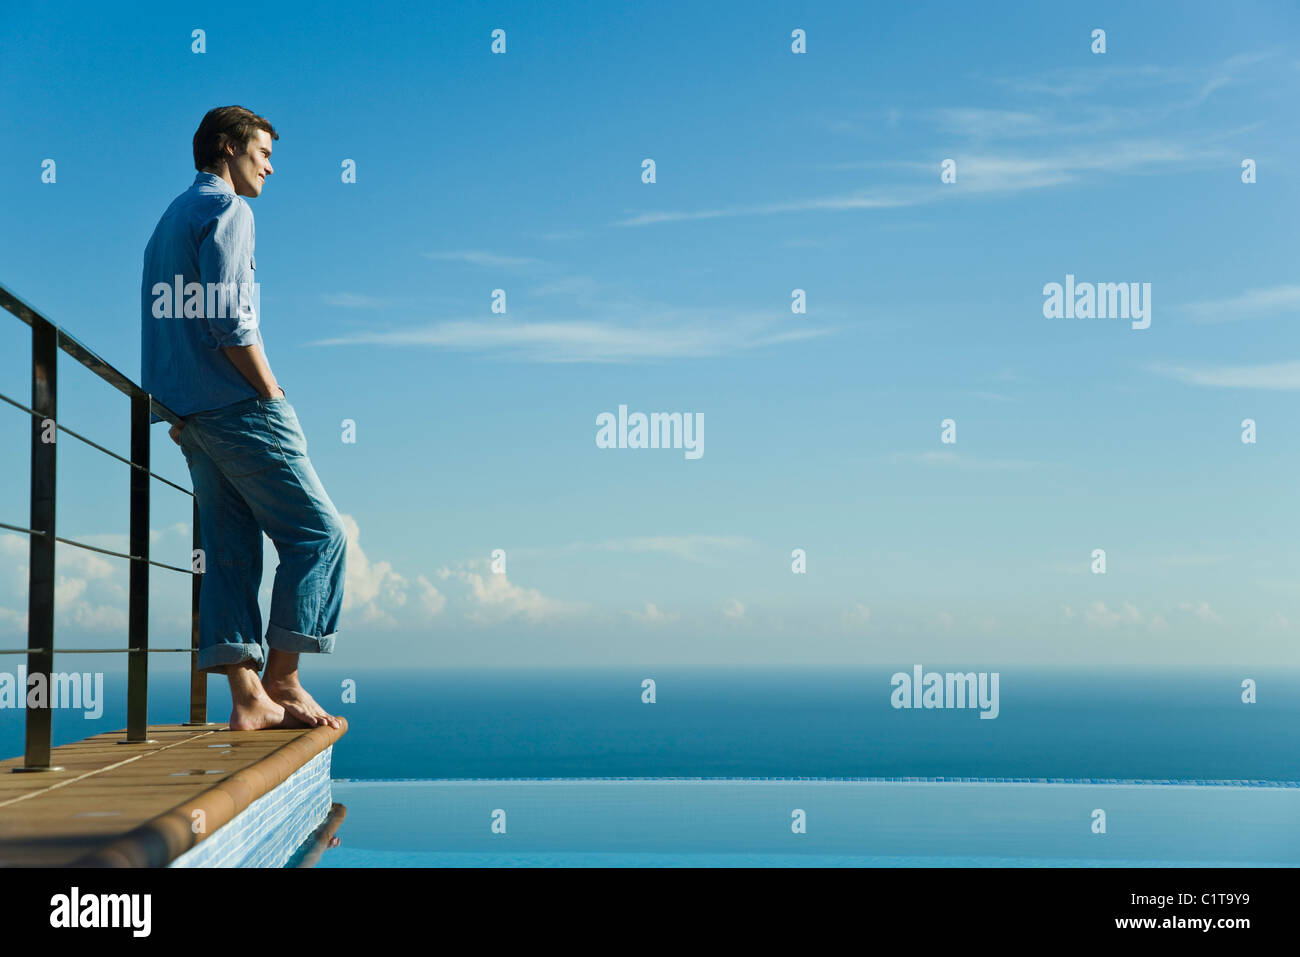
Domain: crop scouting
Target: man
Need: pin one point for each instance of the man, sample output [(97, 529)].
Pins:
[(202, 357)]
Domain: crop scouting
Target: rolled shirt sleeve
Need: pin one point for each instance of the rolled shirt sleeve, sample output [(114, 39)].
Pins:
[(227, 271)]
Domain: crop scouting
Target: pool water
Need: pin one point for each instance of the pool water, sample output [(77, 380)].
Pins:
[(667, 822)]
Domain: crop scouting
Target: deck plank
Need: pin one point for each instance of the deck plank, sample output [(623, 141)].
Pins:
[(108, 794)]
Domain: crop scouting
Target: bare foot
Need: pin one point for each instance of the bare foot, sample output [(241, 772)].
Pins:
[(295, 700), (262, 713)]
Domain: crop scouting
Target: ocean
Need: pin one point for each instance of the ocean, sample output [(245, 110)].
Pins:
[(1185, 725)]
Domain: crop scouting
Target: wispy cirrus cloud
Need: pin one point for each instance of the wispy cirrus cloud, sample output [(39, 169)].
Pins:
[(1068, 83), (668, 334), (978, 173), (987, 173), (998, 171), (1228, 72), (1195, 560), (951, 459), (352, 300), (1115, 137), (977, 122), (549, 321), (1277, 376), (697, 549), (480, 257), (1198, 83), (1251, 304), (691, 548), (848, 201), (980, 125)]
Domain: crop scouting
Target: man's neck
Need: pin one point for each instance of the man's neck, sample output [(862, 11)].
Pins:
[(224, 173)]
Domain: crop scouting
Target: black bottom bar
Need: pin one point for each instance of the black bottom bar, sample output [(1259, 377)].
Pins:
[(973, 908)]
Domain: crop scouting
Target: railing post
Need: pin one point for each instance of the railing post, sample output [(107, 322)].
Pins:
[(137, 656), (40, 575), (198, 679)]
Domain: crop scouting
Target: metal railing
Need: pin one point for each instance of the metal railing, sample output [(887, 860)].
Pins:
[(47, 340)]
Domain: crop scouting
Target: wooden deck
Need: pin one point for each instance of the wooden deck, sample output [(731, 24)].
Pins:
[(131, 805)]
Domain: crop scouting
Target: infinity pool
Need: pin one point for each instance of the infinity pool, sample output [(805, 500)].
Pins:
[(680, 822)]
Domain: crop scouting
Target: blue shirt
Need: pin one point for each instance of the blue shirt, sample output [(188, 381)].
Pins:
[(205, 238)]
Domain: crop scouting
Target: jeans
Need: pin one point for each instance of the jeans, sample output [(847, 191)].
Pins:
[(248, 462)]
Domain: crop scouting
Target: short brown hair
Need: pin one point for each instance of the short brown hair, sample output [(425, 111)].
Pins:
[(226, 124)]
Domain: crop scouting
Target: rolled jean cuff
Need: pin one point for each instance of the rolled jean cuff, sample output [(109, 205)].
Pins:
[(229, 653), (282, 639)]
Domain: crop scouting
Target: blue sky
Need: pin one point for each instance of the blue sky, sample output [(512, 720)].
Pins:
[(775, 171)]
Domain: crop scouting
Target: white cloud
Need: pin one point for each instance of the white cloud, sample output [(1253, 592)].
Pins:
[(493, 598), (1202, 610), (1098, 614), (15, 549), (89, 588), (652, 615), (69, 589), (859, 614), (158, 534), (99, 617), (733, 609), (372, 590), (91, 593), (90, 564), (433, 600)]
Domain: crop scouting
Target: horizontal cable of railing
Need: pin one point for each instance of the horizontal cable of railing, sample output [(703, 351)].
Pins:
[(96, 651), (102, 551), (96, 445)]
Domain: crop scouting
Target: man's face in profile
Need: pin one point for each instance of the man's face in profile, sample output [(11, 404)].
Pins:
[(249, 169)]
